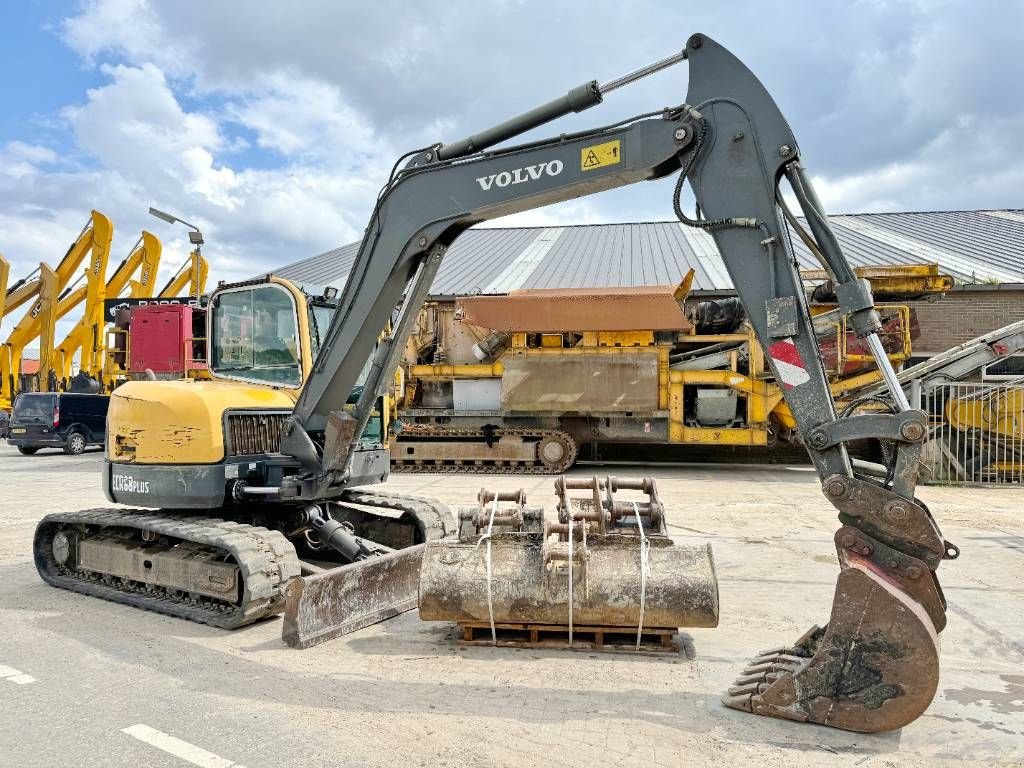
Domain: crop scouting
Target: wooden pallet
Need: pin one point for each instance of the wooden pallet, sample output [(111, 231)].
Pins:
[(584, 638)]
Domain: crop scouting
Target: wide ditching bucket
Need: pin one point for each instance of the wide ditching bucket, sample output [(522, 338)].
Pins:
[(601, 561)]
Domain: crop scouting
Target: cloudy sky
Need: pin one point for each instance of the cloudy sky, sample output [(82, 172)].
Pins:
[(272, 124)]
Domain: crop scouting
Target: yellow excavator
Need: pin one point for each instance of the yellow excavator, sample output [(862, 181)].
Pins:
[(253, 478), (52, 302), (88, 337)]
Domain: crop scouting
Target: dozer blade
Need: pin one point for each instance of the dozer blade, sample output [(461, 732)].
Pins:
[(331, 604), (875, 667)]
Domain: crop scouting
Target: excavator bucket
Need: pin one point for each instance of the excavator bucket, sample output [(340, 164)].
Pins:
[(874, 667), (617, 570), (341, 600)]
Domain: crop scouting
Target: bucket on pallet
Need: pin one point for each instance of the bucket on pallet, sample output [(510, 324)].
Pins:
[(602, 560)]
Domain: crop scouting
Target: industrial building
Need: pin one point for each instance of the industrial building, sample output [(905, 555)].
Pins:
[(983, 251)]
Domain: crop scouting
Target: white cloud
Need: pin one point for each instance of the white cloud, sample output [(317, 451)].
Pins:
[(18, 159), (272, 129), (304, 118), (129, 27), (136, 126)]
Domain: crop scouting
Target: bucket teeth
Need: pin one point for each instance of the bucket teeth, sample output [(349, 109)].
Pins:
[(749, 689), (875, 667), (783, 654), (744, 703), (765, 664), (769, 676), (776, 651)]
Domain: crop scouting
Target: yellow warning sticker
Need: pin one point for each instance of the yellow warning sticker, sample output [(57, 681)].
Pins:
[(601, 155)]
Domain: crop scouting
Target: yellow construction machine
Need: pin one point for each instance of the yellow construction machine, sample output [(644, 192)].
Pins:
[(88, 338), (253, 477), (53, 300), (5, 274), (531, 377), (191, 275)]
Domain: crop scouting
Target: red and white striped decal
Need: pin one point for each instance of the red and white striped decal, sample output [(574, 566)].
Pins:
[(788, 364)]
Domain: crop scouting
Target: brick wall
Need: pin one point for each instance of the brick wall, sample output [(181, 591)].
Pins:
[(962, 315)]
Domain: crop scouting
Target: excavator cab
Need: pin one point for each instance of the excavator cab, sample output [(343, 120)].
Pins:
[(255, 336)]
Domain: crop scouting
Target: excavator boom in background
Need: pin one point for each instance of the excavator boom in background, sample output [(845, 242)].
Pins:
[(88, 337), (276, 441), (93, 242), (5, 274), (192, 274)]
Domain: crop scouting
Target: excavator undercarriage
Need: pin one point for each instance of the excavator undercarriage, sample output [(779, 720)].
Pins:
[(231, 572)]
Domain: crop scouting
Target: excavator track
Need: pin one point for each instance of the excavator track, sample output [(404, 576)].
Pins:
[(433, 517), (555, 451), (265, 560)]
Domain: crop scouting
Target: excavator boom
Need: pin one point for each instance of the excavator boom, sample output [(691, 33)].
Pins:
[(191, 274), (5, 274), (94, 239), (875, 665), (87, 336)]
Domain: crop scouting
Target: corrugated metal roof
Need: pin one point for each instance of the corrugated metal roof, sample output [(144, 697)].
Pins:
[(972, 246)]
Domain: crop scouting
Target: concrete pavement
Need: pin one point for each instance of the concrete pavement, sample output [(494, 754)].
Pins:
[(114, 686)]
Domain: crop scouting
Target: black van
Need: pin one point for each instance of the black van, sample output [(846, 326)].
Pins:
[(58, 420)]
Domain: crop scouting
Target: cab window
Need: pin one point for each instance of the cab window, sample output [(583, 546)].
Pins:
[(320, 316), (255, 336)]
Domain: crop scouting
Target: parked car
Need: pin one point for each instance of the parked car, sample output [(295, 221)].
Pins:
[(58, 420), (5, 422)]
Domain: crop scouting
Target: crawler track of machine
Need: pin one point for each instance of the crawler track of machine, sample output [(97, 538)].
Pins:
[(535, 451), (237, 572), (208, 570), (433, 518)]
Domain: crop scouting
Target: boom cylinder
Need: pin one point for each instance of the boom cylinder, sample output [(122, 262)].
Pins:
[(578, 99)]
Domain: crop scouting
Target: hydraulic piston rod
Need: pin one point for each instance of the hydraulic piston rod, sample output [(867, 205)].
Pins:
[(578, 99), (650, 69), (885, 367)]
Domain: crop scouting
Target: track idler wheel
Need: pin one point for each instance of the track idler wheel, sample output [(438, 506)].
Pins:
[(875, 667)]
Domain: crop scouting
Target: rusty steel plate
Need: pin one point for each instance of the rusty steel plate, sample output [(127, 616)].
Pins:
[(647, 308)]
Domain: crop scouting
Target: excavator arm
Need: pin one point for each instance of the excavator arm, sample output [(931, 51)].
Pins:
[(191, 274), (87, 335), (5, 274), (875, 666), (94, 239), (23, 290)]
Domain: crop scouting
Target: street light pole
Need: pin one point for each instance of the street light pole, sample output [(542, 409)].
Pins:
[(194, 236)]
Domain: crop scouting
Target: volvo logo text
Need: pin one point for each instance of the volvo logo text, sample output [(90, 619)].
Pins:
[(519, 175)]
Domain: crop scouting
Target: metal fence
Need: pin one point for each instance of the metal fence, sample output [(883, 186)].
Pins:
[(976, 435)]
